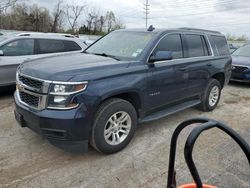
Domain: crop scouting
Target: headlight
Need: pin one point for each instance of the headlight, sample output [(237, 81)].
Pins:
[(59, 89), (68, 88), (61, 95)]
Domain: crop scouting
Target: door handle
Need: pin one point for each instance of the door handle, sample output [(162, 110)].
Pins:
[(182, 69), (209, 64)]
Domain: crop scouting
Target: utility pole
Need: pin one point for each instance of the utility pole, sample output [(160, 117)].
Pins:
[(146, 11)]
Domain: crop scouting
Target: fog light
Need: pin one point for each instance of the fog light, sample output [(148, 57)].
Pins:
[(60, 99)]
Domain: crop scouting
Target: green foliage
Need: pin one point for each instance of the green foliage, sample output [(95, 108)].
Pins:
[(231, 37)]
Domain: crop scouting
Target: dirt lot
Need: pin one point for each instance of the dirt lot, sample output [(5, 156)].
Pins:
[(27, 160)]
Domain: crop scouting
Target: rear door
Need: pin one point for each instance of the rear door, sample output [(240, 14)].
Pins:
[(15, 53), (199, 62)]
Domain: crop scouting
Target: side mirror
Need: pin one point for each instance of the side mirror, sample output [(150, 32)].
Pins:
[(161, 56), (1, 53)]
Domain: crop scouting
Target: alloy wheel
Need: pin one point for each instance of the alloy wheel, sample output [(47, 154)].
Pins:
[(117, 128)]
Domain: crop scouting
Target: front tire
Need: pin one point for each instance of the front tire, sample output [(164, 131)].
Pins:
[(114, 126), (211, 96)]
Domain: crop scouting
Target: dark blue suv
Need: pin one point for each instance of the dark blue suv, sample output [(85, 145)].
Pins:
[(127, 77), (241, 64)]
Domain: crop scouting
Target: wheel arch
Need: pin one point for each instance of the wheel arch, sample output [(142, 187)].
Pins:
[(220, 77), (131, 96)]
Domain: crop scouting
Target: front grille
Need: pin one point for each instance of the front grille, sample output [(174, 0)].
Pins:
[(29, 99), (239, 69), (30, 82)]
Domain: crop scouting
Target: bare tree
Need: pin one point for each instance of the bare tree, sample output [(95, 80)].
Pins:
[(18, 18), (26, 17), (102, 22), (89, 20), (40, 19), (93, 20), (73, 12), (4, 4), (57, 16), (110, 17), (118, 25)]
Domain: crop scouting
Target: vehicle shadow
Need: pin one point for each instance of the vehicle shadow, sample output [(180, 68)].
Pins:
[(6, 93), (6, 97)]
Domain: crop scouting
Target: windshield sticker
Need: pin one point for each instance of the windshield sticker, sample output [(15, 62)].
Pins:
[(135, 54)]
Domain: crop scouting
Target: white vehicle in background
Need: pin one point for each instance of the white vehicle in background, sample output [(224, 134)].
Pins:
[(89, 39), (19, 47)]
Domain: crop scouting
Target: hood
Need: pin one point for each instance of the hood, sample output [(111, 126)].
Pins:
[(240, 60), (66, 67)]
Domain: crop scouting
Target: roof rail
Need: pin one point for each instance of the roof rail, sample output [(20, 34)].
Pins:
[(27, 34), (51, 34), (61, 34), (204, 30)]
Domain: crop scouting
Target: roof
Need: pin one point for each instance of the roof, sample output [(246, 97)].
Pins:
[(40, 35), (159, 30), (9, 37), (201, 30)]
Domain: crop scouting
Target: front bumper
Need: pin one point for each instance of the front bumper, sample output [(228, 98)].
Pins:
[(68, 130), (240, 73), (241, 77), (239, 80)]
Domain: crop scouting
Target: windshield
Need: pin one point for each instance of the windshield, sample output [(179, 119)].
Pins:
[(242, 51), (123, 45), (2, 39)]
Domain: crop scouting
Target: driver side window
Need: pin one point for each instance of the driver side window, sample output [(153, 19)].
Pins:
[(18, 47), (171, 43)]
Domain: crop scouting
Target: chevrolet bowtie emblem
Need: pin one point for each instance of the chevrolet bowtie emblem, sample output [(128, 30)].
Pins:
[(19, 87)]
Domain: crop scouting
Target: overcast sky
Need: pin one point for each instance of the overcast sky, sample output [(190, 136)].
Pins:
[(227, 16)]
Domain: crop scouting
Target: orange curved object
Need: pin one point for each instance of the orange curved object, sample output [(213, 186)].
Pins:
[(193, 185)]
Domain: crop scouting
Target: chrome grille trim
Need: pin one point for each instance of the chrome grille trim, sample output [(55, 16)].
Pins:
[(32, 83), (41, 93), (44, 87), (31, 100), (41, 102)]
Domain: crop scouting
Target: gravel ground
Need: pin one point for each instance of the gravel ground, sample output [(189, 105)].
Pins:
[(28, 160)]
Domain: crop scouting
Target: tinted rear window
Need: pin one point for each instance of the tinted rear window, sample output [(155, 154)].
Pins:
[(196, 45), (219, 45), (55, 46), (50, 46), (71, 46)]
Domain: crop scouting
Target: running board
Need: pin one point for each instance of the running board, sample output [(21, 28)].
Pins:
[(170, 110)]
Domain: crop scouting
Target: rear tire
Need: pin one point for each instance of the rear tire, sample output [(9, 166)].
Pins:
[(114, 126), (211, 96)]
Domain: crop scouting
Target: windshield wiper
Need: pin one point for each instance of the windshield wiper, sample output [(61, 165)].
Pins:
[(107, 55)]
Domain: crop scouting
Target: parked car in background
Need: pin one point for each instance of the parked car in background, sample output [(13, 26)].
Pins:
[(232, 48), (241, 64), (20, 47), (89, 39), (97, 97), (88, 42)]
